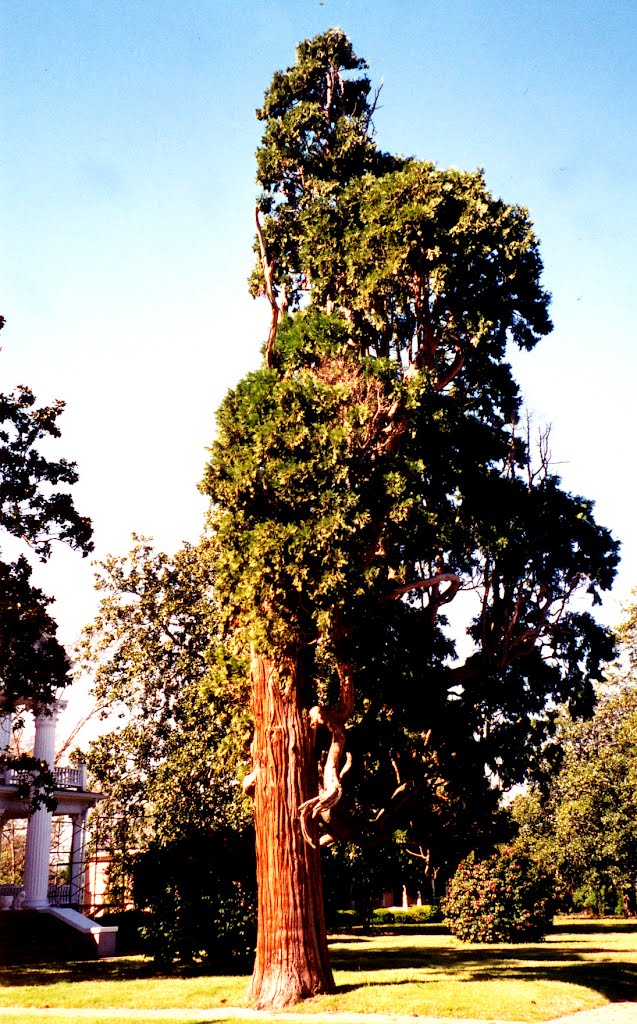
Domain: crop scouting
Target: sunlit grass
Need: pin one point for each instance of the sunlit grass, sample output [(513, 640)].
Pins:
[(427, 974), (23, 1017), (132, 984)]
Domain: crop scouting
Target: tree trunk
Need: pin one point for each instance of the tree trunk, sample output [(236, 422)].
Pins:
[(292, 961), (629, 897)]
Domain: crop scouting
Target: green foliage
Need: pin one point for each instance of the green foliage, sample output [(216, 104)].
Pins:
[(425, 914), (31, 506), (508, 898), (198, 900), (293, 475), (585, 824), (427, 261), (317, 137), (169, 764), (35, 509), (34, 663), (380, 447)]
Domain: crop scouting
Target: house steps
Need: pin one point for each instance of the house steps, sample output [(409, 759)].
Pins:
[(30, 936)]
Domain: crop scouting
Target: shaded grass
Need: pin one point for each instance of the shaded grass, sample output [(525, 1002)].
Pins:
[(580, 966)]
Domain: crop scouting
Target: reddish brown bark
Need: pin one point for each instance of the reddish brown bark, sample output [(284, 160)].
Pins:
[(292, 960)]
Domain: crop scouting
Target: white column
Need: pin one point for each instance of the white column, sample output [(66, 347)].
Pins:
[(78, 840), (38, 845)]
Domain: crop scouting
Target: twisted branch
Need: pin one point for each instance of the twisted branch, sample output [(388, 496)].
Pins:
[(331, 789)]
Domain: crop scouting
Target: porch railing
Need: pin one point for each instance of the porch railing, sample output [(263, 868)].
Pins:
[(57, 895), (65, 778)]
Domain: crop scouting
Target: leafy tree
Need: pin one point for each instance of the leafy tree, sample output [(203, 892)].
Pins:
[(371, 469), (36, 511), (12, 856), (174, 743), (586, 825)]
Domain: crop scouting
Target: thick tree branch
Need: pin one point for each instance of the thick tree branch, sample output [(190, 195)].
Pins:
[(453, 370), (443, 597), (375, 833), (331, 789)]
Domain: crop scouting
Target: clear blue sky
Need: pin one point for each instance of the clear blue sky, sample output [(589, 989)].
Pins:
[(128, 189)]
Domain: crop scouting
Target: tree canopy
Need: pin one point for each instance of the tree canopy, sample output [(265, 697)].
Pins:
[(37, 511), (173, 744), (582, 820)]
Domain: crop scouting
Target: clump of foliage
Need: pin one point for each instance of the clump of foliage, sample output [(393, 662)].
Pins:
[(174, 819), (36, 511), (585, 821), (428, 913), (507, 898), (198, 900)]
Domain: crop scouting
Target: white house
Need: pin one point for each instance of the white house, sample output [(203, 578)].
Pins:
[(73, 801)]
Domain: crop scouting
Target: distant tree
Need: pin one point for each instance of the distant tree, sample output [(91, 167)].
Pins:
[(586, 825), (13, 853), (36, 511), (371, 469), (173, 744)]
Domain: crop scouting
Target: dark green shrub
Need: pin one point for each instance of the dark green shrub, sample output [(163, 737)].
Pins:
[(507, 898), (198, 900), (383, 916), (343, 919)]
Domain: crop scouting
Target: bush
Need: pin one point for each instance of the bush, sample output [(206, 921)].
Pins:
[(344, 919), (507, 898), (426, 914), (198, 900)]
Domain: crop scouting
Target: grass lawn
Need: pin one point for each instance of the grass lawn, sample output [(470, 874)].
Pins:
[(53, 1018), (67, 1018), (580, 966)]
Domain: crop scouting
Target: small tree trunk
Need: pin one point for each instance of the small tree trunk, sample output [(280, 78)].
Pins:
[(629, 897), (292, 961)]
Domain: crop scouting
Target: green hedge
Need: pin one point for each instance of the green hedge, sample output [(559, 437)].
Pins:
[(426, 914), (383, 917)]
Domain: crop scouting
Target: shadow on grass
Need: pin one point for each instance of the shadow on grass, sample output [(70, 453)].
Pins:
[(134, 968), (594, 967), (612, 972), (601, 927), (81, 970)]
